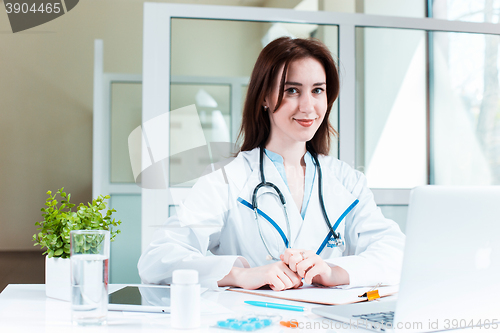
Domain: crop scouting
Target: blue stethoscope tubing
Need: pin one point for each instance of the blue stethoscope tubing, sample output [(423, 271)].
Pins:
[(338, 242)]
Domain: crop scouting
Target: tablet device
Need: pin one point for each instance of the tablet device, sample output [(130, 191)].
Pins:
[(140, 298)]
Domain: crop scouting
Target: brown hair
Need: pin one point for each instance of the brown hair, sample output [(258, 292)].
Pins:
[(255, 125)]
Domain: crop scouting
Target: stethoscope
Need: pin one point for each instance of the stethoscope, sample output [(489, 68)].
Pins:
[(338, 241)]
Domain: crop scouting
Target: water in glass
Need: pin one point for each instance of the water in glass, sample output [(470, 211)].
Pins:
[(89, 284)]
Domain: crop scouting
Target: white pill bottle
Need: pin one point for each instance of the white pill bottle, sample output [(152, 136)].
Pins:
[(185, 299)]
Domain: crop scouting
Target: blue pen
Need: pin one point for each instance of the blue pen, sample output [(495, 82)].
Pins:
[(276, 306)]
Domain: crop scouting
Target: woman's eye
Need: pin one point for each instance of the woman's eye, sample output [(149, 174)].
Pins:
[(318, 91), (292, 90)]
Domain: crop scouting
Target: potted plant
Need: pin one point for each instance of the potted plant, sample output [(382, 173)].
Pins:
[(58, 220)]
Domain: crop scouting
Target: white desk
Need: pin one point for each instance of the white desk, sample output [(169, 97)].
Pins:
[(25, 308)]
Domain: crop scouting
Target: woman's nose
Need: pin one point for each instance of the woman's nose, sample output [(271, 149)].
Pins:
[(306, 103)]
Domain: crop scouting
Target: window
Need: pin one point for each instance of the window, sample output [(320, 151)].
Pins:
[(465, 109), (391, 107)]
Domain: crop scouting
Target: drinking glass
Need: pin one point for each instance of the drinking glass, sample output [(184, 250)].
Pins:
[(89, 276)]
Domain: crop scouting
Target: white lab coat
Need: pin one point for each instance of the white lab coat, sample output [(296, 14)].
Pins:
[(217, 216)]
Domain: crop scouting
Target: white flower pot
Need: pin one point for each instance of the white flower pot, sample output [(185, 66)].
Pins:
[(58, 278)]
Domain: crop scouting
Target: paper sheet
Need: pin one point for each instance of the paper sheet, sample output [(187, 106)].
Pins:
[(321, 295)]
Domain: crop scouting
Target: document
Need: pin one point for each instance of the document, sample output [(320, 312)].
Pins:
[(322, 295)]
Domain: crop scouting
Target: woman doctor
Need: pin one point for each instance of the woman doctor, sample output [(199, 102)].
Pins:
[(255, 239)]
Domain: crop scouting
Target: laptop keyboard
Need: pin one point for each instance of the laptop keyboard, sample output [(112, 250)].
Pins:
[(378, 317)]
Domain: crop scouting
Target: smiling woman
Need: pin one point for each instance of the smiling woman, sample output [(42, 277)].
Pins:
[(309, 60), (331, 234), (303, 105)]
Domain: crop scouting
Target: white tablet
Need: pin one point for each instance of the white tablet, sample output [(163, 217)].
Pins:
[(140, 298)]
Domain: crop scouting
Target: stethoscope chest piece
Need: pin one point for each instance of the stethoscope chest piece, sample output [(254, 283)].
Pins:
[(339, 244)]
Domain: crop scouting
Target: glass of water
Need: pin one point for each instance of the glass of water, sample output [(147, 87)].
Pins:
[(89, 276)]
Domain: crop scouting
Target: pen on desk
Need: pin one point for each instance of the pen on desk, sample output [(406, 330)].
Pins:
[(276, 306)]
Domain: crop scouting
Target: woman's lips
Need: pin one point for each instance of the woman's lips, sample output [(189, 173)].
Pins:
[(305, 122)]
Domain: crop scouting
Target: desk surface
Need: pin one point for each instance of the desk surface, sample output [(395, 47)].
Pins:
[(25, 308)]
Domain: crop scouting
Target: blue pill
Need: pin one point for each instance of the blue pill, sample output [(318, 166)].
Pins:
[(253, 319), (235, 325), (258, 324), (266, 322), (247, 327), (230, 319), (223, 323)]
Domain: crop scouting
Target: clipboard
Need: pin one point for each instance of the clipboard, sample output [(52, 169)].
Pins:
[(322, 295)]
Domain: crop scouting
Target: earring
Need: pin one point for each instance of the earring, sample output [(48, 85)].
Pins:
[(265, 108)]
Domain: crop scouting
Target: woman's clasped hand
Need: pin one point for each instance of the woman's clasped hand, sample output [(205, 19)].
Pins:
[(277, 275), (295, 265), (313, 269)]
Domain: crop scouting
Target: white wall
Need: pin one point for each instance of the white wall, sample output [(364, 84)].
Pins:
[(46, 82)]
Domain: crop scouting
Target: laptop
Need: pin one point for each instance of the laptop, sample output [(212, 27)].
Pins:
[(451, 268)]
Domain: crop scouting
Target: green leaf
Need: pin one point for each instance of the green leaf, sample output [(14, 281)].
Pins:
[(58, 252)]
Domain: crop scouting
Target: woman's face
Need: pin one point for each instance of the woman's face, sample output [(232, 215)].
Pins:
[(304, 102)]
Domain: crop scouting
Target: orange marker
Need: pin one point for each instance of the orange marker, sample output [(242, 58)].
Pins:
[(371, 295), (291, 323)]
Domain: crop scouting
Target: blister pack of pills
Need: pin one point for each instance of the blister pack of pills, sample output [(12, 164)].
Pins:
[(247, 323)]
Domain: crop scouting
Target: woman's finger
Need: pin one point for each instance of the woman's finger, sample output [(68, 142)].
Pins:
[(308, 254), (305, 265), (288, 254), (296, 280), (299, 285), (276, 283), (294, 260), (286, 280), (310, 274), (292, 257)]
